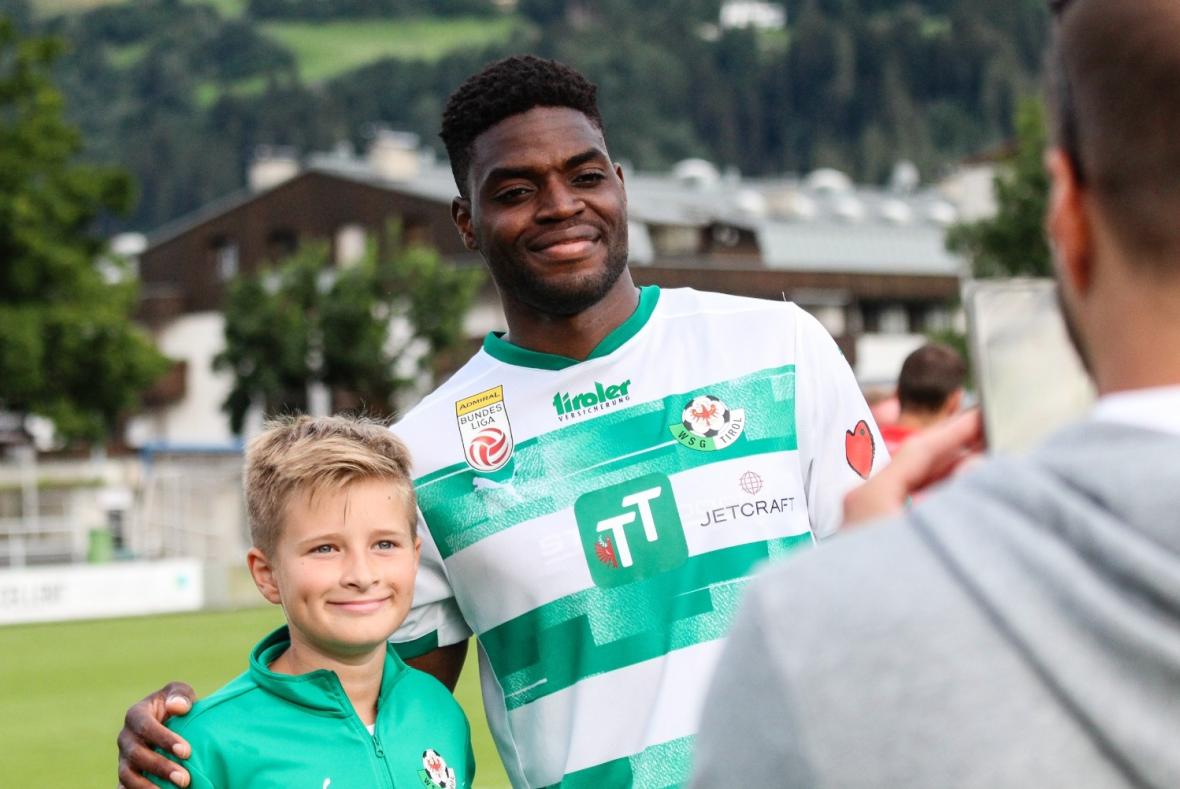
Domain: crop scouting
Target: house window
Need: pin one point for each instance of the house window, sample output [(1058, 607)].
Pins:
[(894, 320), (225, 257), (416, 233), (281, 243), (673, 240), (351, 241)]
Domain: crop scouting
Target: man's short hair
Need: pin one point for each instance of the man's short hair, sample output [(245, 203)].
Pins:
[(1115, 94), (307, 456), (505, 88), (929, 376)]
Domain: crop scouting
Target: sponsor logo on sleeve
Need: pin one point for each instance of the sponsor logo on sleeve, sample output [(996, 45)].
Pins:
[(860, 448), (708, 424), (485, 430)]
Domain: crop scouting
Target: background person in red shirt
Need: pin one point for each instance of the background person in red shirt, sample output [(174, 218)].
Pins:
[(929, 390)]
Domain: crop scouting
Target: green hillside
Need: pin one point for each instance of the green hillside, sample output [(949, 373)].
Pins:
[(328, 49), (49, 8)]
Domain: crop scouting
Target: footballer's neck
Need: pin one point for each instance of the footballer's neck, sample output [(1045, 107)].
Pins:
[(572, 336), (359, 674)]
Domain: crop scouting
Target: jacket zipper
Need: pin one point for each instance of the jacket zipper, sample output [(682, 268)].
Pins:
[(380, 753)]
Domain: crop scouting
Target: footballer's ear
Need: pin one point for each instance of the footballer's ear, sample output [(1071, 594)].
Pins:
[(461, 216), (263, 573)]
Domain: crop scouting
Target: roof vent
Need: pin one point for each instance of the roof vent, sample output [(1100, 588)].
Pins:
[(897, 212), (905, 178), (271, 166), (825, 179), (696, 173), (849, 209), (394, 155), (751, 202), (941, 213)]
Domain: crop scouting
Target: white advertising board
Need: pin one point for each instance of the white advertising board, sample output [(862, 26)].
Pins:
[(52, 594)]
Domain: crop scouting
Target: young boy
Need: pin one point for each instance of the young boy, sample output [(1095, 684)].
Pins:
[(326, 703)]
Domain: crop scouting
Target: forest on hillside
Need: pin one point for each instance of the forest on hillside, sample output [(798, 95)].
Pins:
[(181, 92)]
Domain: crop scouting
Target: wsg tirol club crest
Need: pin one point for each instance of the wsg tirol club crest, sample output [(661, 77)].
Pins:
[(708, 424), (435, 773), (485, 430)]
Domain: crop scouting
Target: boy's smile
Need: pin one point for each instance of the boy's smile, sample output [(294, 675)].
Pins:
[(343, 568)]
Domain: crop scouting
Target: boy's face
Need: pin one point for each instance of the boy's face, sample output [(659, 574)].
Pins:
[(343, 568)]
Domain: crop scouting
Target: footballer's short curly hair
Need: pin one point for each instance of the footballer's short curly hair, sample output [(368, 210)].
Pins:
[(505, 88)]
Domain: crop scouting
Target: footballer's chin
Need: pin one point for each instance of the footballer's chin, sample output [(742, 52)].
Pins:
[(566, 286)]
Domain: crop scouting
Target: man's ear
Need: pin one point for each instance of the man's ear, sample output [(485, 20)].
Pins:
[(619, 173), (1067, 223), (262, 571), (953, 403), (461, 216)]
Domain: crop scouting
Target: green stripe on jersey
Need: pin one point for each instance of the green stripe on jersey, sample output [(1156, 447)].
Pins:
[(418, 647), (555, 468), (601, 629), (662, 766)]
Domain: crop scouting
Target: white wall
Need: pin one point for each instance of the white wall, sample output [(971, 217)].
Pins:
[(879, 356), (197, 419)]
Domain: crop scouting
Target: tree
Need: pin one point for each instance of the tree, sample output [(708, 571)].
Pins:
[(1013, 242), (351, 329), (68, 350)]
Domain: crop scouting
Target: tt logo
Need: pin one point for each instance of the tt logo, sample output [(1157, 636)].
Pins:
[(637, 502), (631, 530)]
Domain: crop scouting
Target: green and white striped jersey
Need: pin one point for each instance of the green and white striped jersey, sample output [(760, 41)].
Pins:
[(594, 523)]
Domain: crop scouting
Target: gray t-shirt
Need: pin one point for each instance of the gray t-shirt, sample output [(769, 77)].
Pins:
[(1019, 627)]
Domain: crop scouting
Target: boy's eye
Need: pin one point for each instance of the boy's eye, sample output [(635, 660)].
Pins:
[(323, 549), (386, 545)]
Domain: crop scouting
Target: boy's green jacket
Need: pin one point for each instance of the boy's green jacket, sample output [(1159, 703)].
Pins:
[(277, 731)]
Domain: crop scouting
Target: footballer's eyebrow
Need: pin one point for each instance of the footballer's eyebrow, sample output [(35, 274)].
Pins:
[(585, 157), (577, 160)]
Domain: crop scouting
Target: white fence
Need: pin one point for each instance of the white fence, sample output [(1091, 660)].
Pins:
[(151, 507)]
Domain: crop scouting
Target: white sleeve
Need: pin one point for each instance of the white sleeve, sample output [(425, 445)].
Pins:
[(839, 443), (434, 619)]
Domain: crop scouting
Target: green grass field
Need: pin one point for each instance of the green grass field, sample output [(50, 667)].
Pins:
[(47, 8), (326, 49), (66, 686)]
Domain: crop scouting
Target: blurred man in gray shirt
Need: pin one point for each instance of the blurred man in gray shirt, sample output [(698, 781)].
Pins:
[(1021, 625)]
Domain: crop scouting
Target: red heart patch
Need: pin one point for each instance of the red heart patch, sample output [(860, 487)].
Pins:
[(860, 449)]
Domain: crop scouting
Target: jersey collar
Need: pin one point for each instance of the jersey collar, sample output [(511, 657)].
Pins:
[(317, 691), (497, 347)]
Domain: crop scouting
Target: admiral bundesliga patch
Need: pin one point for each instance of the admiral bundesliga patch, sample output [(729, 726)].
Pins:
[(485, 430), (707, 424)]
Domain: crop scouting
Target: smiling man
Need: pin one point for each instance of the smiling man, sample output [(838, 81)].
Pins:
[(598, 484)]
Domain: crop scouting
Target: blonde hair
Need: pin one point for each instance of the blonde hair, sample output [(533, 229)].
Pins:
[(310, 455)]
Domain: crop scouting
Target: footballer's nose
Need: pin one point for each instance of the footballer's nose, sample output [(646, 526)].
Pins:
[(558, 202)]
